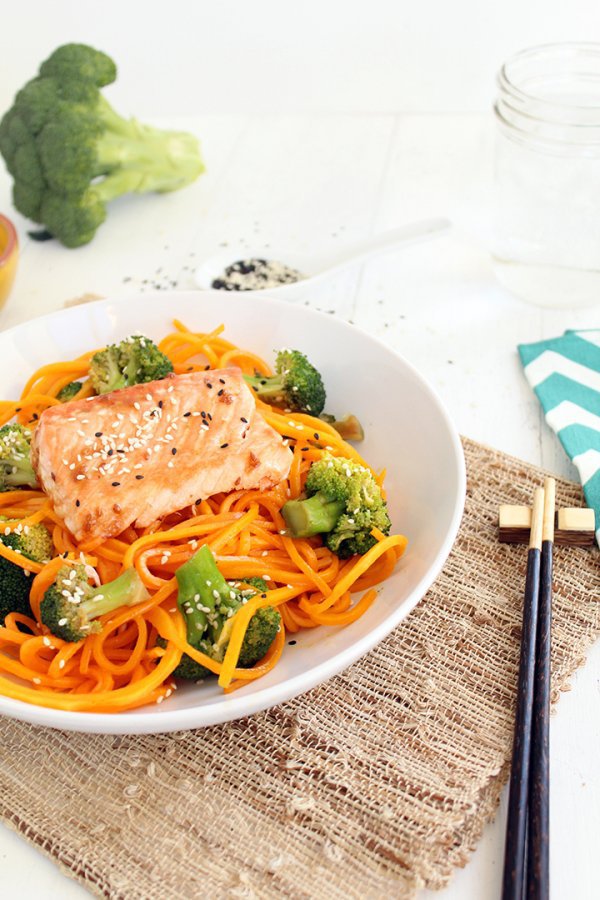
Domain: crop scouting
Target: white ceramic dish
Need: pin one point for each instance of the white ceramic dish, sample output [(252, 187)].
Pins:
[(407, 431)]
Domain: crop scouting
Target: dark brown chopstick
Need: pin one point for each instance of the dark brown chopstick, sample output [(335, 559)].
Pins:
[(538, 875), (516, 825)]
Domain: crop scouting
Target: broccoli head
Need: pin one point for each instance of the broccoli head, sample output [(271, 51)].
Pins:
[(136, 360), (71, 607), (343, 503), (297, 385), (208, 602), (70, 153), (69, 392), (35, 543), (16, 470)]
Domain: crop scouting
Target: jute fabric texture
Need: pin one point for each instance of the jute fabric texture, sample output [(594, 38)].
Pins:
[(372, 785)]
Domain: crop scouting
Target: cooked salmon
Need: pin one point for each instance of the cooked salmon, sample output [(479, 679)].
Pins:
[(137, 454)]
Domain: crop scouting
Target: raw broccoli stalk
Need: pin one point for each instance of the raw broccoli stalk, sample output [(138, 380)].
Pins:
[(297, 385), (344, 503), (136, 360), (16, 470), (34, 543), (207, 601), (69, 392), (70, 153), (71, 607)]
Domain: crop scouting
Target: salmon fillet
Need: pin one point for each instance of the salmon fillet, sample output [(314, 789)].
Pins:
[(137, 454)]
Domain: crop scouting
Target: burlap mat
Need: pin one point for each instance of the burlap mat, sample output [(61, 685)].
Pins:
[(372, 785)]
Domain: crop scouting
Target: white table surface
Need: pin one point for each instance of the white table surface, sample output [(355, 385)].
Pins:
[(316, 181)]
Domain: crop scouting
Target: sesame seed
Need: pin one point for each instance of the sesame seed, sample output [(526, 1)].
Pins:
[(223, 446), (80, 477), (139, 477), (173, 450), (186, 415), (78, 503), (116, 483), (98, 434)]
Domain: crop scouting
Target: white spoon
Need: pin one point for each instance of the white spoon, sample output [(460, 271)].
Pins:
[(317, 267)]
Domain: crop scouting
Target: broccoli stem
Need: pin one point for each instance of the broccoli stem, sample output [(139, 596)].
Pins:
[(269, 388), (126, 590), (144, 158), (316, 515), (200, 578)]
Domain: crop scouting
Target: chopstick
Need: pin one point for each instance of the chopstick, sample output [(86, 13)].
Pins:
[(516, 825), (538, 875)]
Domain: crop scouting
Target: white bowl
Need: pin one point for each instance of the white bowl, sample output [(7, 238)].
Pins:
[(407, 431)]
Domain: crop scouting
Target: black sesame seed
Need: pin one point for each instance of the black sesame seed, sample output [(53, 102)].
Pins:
[(317, 437), (208, 385), (222, 380), (220, 392), (254, 388), (203, 414), (173, 450), (98, 434), (263, 596), (35, 417), (243, 419), (139, 477), (160, 404), (209, 416), (110, 452), (186, 415), (18, 408), (116, 483), (206, 368), (78, 503), (263, 381), (305, 448), (223, 446), (291, 643)]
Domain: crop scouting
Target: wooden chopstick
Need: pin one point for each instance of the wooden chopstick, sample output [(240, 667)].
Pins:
[(538, 875), (516, 825)]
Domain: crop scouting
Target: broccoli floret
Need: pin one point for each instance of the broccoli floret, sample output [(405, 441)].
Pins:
[(136, 360), (297, 385), (70, 153), (16, 470), (207, 601), (71, 607), (348, 427), (69, 392), (344, 503), (15, 583)]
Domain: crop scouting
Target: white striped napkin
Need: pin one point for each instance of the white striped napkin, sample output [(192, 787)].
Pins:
[(565, 374)]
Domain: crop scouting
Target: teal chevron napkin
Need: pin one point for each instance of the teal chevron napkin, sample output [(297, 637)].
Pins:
[(564, 372)]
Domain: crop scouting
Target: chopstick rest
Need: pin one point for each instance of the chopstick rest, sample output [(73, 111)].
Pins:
[(516, 825), (574, 527)]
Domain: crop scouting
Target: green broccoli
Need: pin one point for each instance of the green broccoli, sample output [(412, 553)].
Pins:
[(297, 385), (207, 601), (344, 503), (70, 607), (69, 392), (35, 543), (70, 153), (136, 360), (16, 470)]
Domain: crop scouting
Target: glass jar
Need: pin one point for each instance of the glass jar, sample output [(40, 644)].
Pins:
[(547, 175)]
